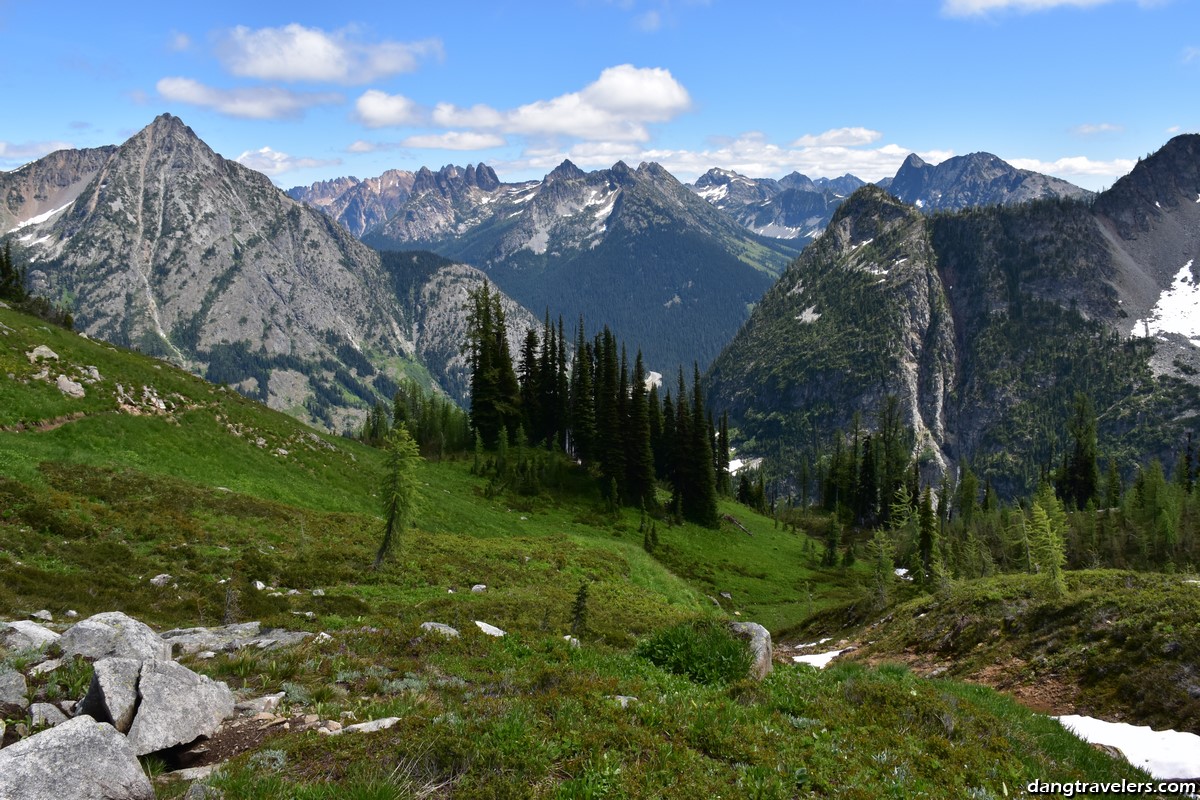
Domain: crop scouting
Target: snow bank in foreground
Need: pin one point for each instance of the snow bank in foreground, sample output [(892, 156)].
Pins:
[(820, 660), (1164, 754)]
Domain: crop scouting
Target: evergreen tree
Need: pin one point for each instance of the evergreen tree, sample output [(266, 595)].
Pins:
[(833, 543), (722, 463), (639, 466), (583, 408), (401, 493), (1047, 523), (1079, 479), (703, 506), (927, 527), (12, 279)]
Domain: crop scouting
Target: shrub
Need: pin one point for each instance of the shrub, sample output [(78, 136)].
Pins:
[(703, 651)]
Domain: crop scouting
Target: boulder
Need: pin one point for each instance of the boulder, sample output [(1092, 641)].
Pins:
[(69, 387), (113, 694), (479, 588), (177, 706), (80, 759), (26, 635), (760, 645), (367, 727), (41, 353), (43, 615), (161, 580), (220, 639), (14, 694), (44, 715), (45, 666), (113, 634), (442, 628), (490, 630)]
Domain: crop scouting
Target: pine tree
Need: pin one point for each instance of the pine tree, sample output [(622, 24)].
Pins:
[(401, 493), (1047, 524), (639, 466), (722, 464), (833, 543), (583, 408), (1079, 479), (927, 544), (703, 508)]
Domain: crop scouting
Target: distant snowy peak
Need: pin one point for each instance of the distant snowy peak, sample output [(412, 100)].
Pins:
[(794, 207)]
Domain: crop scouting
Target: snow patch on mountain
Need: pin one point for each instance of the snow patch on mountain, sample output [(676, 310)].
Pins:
[(1177, 310), (40, 218)]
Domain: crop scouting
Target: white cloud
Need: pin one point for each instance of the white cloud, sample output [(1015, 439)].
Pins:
[(455, 140), (1174, 129), (377, 109), (272, 162), (648, 22), (974, 8), (1090, 129), (262, 102), (30, 151), (1075, 165), (297, 53), (847, 137), (617, 106), (448, 115), (179, 42), (750, 154)]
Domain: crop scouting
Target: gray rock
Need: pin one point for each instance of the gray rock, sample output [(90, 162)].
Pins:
[(367, 727), (490, 630), (318, 592), (161, 580), (259, 585), (69, 387), (442, 628), (77, 760), (760, 645), (177, 706), (45, 666), (220, 639), (44, 714), (41, 353), (26, 635), (727, 595), (479, 588), (113, 634), (43, 615), (260, 705), (113, 694), (14, 693), (571, 640), (72, 613)]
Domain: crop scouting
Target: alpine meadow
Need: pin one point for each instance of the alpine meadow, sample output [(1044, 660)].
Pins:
[(693, 400)]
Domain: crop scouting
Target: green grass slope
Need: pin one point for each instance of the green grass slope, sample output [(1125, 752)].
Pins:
[(100, 493)]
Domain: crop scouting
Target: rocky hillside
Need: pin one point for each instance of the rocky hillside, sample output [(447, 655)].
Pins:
[(168, 247), (631, 248), (358, 205), (977, 179), (985, 324), (43, 188)]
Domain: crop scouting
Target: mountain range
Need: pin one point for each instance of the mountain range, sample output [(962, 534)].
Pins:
[(985, 324), (164, 245)]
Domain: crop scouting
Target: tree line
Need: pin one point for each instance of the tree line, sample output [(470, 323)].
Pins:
[(597, 408)]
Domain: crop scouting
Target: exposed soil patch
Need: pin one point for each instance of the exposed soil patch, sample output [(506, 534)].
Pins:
[(42, 425)]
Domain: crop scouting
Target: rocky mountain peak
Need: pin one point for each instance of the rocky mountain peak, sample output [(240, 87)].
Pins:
[(795, 180), (566, 171)]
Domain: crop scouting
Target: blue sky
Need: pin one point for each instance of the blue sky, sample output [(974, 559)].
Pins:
[(1075, 88)]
